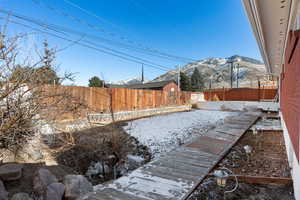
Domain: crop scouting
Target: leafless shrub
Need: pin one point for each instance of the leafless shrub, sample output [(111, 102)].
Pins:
[(24, 99)]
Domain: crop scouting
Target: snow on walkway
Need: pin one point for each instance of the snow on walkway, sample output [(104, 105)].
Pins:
[(165, 132)]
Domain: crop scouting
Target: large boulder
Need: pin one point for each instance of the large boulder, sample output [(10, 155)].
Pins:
[(42, 179), (21, 196), (76, 186), (10, 172), (55, 191), (3, 192)]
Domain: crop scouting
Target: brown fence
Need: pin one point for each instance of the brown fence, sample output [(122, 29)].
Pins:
[(102, 100), (239, 94)]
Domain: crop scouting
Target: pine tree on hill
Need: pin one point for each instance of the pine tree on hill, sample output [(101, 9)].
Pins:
[(185, 83), (197, 81)]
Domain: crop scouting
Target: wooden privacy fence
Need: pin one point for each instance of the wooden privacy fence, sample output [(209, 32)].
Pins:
[(103, 100), (240, 94)]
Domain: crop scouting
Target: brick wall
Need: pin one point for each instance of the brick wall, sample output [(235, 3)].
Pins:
[(290, 89)]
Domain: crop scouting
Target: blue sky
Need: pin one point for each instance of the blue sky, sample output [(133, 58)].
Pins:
[(193, 29)]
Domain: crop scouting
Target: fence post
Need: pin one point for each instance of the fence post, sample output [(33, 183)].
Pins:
[(258, 89)]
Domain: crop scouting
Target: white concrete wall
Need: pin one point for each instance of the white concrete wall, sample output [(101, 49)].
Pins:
[(197, 97), (293, 162), (238, 105)]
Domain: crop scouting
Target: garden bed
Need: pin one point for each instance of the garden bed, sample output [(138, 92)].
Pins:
[(263, 174), (267, 159)]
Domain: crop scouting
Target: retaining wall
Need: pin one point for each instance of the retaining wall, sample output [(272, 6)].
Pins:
[(127, 115)]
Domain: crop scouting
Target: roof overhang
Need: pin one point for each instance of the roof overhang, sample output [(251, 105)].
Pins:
[(271, 22)]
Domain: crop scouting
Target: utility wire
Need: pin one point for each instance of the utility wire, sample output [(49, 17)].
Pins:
[(88, 46), (91, 14), (57, 29), (153, 51)]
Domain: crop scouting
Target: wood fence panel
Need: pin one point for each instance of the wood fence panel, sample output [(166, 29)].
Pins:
[(239, 94), (98, 100)]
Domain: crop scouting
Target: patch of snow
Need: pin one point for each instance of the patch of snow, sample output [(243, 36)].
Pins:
[(166, 132), (44, 128), (137, 159), (267, 124), (142, 185)]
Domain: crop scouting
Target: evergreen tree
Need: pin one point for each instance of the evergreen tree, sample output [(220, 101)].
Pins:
[(95, 81), (197, 81), (185, 83), (44, 74)]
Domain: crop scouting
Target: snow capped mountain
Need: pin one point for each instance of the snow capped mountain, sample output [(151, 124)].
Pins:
[(132, 81), (218, 71)]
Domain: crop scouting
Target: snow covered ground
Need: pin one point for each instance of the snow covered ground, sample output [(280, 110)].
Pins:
[(165, 132), (267, 124)]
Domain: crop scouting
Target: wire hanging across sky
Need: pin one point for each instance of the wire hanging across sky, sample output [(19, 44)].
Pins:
[(90, 46), (140, 47)]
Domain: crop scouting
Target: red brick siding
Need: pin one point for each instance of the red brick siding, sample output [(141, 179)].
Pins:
[(290, 89)]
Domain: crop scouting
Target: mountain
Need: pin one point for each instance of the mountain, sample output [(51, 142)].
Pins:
[(218, 71), (132, 81)]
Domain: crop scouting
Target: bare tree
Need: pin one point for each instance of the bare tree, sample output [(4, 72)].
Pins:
[(23, 102)]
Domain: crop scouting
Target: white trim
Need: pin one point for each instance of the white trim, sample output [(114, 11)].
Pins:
[(271, 21), (256, 28)]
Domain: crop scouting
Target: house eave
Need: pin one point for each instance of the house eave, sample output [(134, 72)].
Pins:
[(271, 21)]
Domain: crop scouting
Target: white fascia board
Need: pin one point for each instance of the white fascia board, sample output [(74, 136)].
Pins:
[(253, 18), (271, 22)]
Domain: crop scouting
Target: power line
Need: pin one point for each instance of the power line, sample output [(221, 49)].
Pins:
[(63, 30), (88, 46), (153, 51), (91, 14)]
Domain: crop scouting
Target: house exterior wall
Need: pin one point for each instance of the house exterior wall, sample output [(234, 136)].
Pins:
[(172, 91), (290, 89), (290, 105), (169, 86)]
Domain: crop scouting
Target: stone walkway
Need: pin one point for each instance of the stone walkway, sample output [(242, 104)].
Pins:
[(175, 174)]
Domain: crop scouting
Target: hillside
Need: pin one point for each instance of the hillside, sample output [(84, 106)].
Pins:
[(218, 69)]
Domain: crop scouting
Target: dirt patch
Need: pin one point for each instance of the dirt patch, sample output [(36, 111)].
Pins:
[(268, 157), (101, 151), (209, 190)]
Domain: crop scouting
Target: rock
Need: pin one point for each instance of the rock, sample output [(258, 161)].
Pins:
[(10, 172), (97, 169), (21, 196), (42, 180), (55, 191), (76, 186), (3, 192)]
